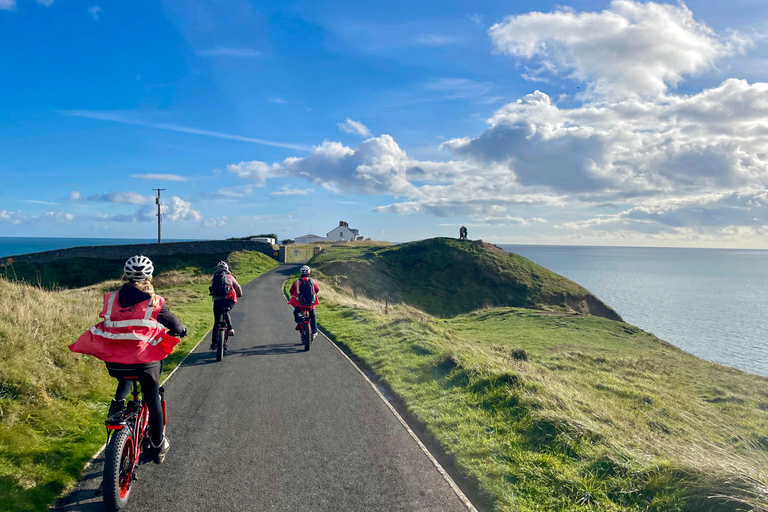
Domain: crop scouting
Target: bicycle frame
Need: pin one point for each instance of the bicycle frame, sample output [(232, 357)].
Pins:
[(136, 419)]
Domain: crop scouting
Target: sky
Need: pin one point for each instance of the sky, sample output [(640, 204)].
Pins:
[(571, 122)]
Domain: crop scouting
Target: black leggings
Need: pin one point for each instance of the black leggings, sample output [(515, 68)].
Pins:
[(312, 319), (221, 307), (149, 377)]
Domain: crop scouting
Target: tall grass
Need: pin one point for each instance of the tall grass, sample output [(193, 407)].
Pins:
[(567, 413), (52, 401)]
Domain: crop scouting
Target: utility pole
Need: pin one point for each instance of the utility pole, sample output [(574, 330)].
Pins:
[(159, 215)]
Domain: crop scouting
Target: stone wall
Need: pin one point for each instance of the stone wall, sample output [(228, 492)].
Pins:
[(123, 252)]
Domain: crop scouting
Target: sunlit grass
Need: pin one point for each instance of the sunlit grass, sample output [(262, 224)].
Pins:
[(569, 413), (52, 402)]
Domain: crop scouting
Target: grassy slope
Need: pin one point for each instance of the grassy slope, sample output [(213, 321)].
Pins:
[(546, 412), (446, 277), (52, 402)]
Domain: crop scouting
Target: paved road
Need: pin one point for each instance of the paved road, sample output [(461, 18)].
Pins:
[(273, 428)]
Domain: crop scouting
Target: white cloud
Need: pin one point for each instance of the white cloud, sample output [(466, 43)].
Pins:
[(75, 196), (455, 88), (280, 101), (7, 5), (48, 217), (350, 126), (180, 210), (45, 2), (94, 12), (630, 48), (227, 52), (215, 222), (435, 39), (120, 118), (159, 177), (286, 190)]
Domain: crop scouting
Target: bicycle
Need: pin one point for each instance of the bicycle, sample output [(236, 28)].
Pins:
[(306, 329), (222, 334), (129, 434)]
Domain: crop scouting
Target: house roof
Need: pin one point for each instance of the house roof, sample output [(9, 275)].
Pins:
[(307, 236)]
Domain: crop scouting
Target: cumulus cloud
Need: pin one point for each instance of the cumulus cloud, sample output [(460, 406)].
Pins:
[(50, 216), (350, 126), (652, 162), (75, 196), (630, 48), (7, 5)]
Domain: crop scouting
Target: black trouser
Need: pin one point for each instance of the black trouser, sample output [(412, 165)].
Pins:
[(221, 307), (312, 319), (148, 375)]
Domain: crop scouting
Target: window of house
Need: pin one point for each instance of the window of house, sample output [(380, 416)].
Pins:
[(341, 234)]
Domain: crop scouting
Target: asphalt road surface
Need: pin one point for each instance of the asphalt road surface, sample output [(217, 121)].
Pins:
[(274, 428)]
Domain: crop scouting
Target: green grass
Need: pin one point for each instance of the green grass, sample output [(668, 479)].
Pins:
[(447, 277), (544, 411), (52, 402)]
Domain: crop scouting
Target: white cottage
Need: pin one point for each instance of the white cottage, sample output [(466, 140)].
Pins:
[(343, 233)]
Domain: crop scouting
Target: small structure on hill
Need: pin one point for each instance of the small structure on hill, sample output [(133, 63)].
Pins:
[(341, 233), (264, 239)]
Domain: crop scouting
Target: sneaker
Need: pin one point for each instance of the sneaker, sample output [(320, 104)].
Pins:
[(298, 327), (314, 335), (115, 409), (231, 332), (162, 452), (213, 345)]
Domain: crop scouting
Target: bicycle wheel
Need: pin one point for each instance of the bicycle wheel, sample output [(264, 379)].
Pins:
[(306, 336), (118, 470), (220, 344)]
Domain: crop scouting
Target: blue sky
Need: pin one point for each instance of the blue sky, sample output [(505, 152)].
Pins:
[(585, 122)]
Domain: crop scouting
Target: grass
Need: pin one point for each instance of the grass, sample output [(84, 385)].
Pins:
[(447, 277), (556, 412), (52, 402)]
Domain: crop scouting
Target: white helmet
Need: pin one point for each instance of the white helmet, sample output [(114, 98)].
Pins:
[(223, 266), (138, 268), (305, 270)]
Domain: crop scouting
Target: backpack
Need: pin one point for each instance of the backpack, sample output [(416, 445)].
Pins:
[(306, 292), (221, 285)]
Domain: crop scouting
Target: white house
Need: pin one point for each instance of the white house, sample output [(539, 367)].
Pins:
[(343, 233), (308, 239)]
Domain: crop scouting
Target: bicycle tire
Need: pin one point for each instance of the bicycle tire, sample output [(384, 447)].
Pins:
[(220, 344), (118, 460), (306, 336)]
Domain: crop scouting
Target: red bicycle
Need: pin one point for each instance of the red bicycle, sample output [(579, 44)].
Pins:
[(306, 329), (129, 434)]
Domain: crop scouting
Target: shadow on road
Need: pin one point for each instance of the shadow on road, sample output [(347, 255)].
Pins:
[(267, 350)]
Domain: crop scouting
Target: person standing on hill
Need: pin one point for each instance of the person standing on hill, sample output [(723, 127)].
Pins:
[(133, 343), (304, 292), (462, 233), (225, 291)]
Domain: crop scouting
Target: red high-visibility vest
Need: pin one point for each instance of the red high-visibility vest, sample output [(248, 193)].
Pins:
[(130, 335)]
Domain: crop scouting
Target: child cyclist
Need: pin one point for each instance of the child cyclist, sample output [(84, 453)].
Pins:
[(304, 292), (225, 291), (133, 343)]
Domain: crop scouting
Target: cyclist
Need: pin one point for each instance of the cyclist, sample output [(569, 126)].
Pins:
[(225, 291), (304, 292), (133, 343)]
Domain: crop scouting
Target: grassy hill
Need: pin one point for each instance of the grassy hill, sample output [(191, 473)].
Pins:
[(446, 277), (545, 410), (53, 402)]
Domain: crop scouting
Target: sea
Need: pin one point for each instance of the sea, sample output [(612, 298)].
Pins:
[(712, 303), (10, 246)]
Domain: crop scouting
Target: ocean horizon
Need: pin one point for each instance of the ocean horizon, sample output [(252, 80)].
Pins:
[(709, 302)]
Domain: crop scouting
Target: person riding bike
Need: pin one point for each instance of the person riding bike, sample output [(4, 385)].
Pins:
[(225, 291), (132, 341), (304, 292)]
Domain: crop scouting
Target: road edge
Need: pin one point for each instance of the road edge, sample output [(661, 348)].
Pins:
[(424, 449)]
